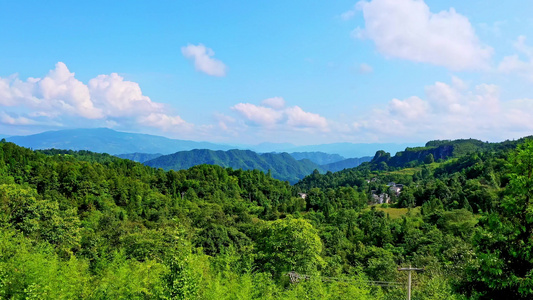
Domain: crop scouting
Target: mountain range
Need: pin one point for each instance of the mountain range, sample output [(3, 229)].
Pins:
[(104, 140), (109, 141), (349, 150), (282, 166)]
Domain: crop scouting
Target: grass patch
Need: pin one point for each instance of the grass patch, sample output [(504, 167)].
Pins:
[(412, 171), (396, 213), (406, 171)]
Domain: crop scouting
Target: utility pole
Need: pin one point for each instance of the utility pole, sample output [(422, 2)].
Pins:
[(409, 278)]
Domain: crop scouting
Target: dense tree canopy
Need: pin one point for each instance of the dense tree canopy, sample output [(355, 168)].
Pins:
[(87, 225)]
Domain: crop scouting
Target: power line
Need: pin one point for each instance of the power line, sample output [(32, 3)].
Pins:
[(295, 277)]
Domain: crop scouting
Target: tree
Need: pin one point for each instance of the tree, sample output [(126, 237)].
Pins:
[(429, 159), (505, 250), (289, 245)]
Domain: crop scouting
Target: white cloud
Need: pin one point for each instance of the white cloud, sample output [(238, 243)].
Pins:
[(107, 99), (407, 29), (275, 102), (450, 111), (513, 63), (278, 116), (259, 115), (13, 90), (521, 46), (296, 117), (203, 60), (519, 114), (224, 121), (57, 93), (164, 122), (9, 120), (64, 92), (445, 97), (347, 15), (412, 108), (118, 97), (365, 68)]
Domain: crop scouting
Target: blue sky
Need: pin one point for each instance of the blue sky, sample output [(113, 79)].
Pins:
[(305, 72)]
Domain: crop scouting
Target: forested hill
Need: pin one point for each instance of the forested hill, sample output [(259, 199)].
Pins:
[(437, 150), (282, 166), (140, 157), (81, 225), (345, 164), (411, 159), (319, 158)]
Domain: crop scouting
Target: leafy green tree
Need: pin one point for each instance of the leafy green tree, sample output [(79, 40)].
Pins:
[(429, 159), (504, 242), (289, 245)]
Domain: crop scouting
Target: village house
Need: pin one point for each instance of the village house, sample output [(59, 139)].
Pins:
[(395, 188), (379, 198), (302, 195)]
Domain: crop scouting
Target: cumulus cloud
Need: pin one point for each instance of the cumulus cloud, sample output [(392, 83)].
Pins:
[(407, 29), (514, 64), (203, 60), (297, 117), (59, 91), (277, 115), (118, 97), (275, 102), (64, 92), (10, 120), (13, 90), (445, 97), (450, 111), (259, 115), (163, 121), (412, 108), (108, 99)]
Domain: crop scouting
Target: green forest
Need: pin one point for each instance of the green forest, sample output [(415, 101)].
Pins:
[(83, 225)]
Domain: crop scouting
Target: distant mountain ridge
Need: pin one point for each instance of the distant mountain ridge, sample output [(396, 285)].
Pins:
[(104, 140), (439, 150), (348, 150), (319, 158), (282, 166), (139, 157), (345, 164)]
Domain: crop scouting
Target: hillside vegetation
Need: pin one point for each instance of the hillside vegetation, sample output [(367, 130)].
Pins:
[(86, 225), (281, 166), (140, 157), (319, 158)]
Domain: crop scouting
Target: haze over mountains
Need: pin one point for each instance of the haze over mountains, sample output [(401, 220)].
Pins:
[(348, 150), (161, 152), (109, 141)]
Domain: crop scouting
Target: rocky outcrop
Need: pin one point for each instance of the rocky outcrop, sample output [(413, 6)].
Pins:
[(413, 155)]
